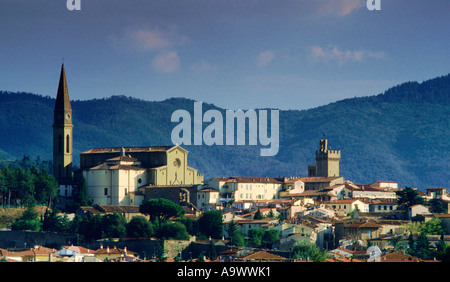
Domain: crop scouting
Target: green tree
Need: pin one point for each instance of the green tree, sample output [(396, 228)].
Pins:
[(397, 242), (304, 249), (210, 224), (139, 226), (258, 215), (422, 248), (3, 188), (191, 225), (270, 237), (236, 237), (28, 221), (255, 236), (162, 209), (201, 258), (114, 226), (212, 250), (25, 187), (81, 196), (172, 230), (90, 227), (45, 187), (436, 206), (54, 222), (409, 197), (433, 227)]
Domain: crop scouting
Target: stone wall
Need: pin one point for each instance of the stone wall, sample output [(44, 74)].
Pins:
[(27, 239)]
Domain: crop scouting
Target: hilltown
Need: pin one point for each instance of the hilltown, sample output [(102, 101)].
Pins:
[(318, 217)]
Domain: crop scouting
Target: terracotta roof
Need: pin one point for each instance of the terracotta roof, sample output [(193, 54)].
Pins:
[(122, 158), (250, 179), (398, 257), (80, 249), (363, 225), (128, 149), (37, 250), (117, 208), (318, 179), (113, 251), (261, 255), (231, 251), (4, 253), (105, 166), (256, 221)]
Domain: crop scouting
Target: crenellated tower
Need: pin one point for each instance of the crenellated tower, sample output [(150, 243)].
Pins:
[(327, 161)]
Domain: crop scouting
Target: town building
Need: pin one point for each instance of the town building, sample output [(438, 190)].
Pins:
[(121, 175), (240, 188)]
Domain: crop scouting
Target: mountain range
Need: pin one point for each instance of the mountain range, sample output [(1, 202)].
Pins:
[(400, 135)]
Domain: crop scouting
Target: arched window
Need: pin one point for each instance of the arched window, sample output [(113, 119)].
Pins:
[(68, 144)]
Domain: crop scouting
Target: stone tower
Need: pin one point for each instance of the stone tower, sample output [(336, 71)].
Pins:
[(327, 161), (62, 133)]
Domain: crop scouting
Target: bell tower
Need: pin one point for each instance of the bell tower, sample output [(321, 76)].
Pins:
[(62, 133)]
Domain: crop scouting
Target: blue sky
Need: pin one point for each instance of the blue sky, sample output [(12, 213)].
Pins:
[(286, 54)]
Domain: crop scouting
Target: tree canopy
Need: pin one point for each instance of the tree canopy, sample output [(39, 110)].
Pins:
[(162, 209)]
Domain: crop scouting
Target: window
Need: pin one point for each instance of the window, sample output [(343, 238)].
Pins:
[(106, 191), (67, 143)]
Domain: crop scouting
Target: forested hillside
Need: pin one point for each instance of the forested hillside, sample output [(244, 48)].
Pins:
[(400, 135)]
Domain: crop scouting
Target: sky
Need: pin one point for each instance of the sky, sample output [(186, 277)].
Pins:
[(236, 54)]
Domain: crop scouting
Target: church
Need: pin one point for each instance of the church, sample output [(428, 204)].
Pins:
[(119, 175)]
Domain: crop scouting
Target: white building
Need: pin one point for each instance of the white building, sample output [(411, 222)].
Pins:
[(207, 199), (113, 182), (243, 189)]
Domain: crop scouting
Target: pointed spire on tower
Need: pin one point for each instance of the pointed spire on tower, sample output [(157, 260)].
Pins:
[(62, 97)]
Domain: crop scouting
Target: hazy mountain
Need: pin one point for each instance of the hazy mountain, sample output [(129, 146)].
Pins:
[(400, 135)]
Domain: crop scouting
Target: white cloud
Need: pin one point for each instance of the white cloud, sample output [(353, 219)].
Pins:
[(264, 58), (334, 54), (151, 39), (166, 62)]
